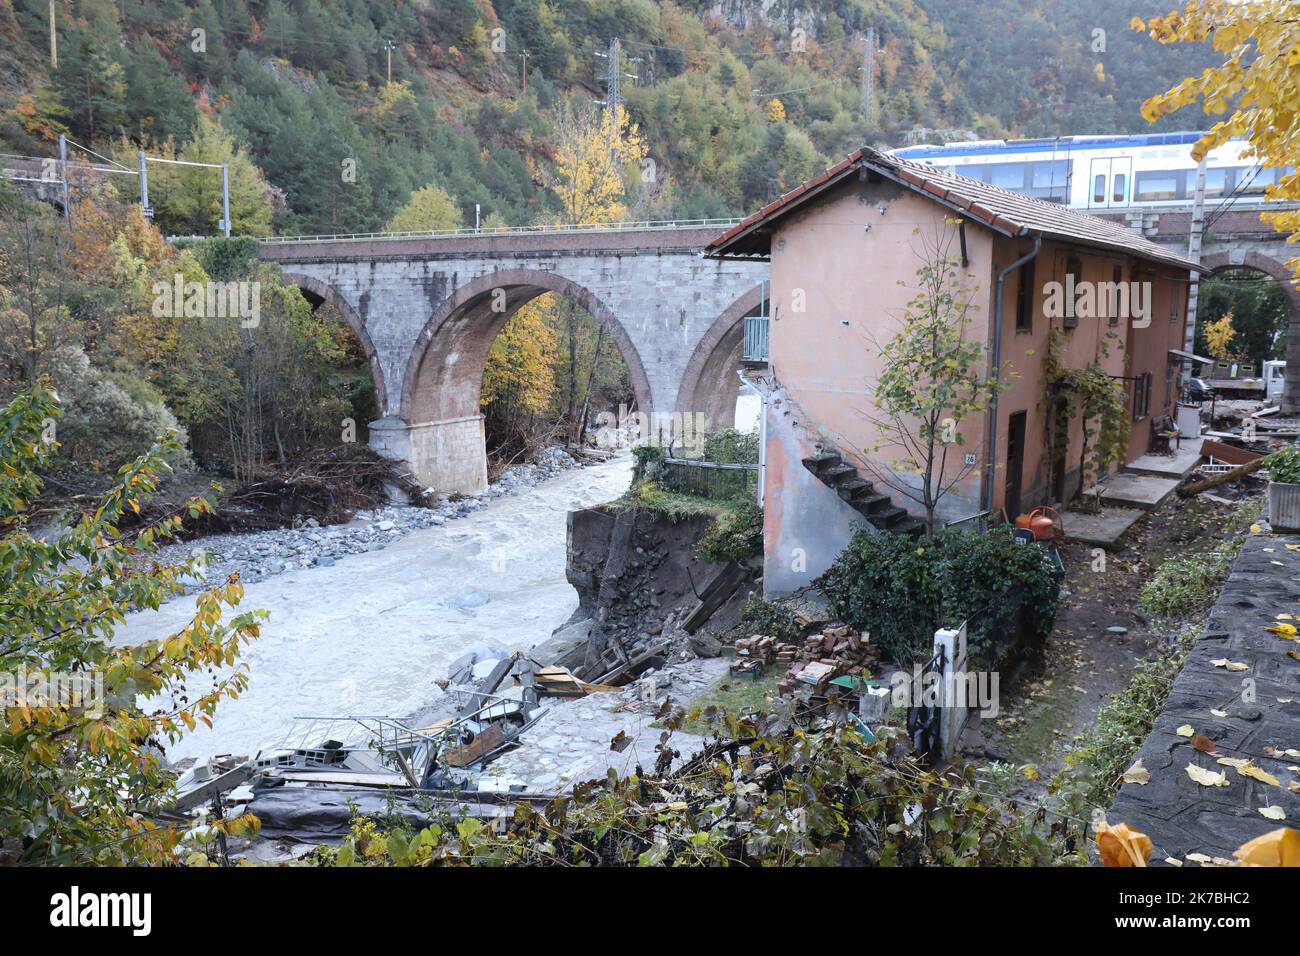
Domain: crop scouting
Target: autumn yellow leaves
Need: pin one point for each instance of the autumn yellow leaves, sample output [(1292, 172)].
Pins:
[(1123, 846)]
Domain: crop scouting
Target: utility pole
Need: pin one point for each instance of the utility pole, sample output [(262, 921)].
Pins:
[(225, 200), (869, 76), (613, 92), (523, 71), (54, 42), (390, 46), (1194, 253), (144, 187), (63, 169)]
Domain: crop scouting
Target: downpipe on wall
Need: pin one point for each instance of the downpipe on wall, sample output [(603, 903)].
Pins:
[(995, 370)]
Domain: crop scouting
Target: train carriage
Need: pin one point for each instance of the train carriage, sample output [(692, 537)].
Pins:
[(1105, 172)]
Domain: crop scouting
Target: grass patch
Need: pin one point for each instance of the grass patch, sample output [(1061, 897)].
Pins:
[(734, 696), (1182, 587), (672, 504), (1188, 585), (1105, 750)]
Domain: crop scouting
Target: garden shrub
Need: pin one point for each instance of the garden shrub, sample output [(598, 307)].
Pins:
[(1184, 586), (110, 418), (732, 447), (648, 458), (771, 620), (1284, 466), (902, 590), (735, 535)]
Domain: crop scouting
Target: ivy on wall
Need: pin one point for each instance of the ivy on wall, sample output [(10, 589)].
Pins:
[(1100, 402)]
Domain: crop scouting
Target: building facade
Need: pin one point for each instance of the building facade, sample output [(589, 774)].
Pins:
[(1048, 292)]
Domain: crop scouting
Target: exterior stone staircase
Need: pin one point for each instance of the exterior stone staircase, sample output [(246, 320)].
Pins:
[(861, 495)]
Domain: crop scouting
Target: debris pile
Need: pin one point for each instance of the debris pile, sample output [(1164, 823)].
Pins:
[(329, 485), (839, 650)]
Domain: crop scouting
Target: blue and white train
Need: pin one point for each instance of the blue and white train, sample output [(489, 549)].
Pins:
[(1105, 172)]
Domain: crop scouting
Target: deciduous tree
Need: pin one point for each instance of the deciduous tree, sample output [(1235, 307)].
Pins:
[(429, 209), (931, 382), (80, 774), (1257, 85)]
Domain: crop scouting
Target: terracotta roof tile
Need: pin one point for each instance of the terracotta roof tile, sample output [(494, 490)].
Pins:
[(998, 208)]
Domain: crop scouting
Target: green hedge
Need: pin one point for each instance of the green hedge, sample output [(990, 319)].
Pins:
[(902, 590)]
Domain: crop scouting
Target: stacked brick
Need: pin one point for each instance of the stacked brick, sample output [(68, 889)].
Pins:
[(766, 649), (836, 651)]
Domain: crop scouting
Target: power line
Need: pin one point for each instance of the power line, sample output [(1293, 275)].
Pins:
[(802, 89)]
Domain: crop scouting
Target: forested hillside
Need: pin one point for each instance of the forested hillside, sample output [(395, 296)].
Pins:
[(736, 99), (493, 106)]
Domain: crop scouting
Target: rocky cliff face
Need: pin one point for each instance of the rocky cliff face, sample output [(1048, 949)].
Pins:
[(777, 14)]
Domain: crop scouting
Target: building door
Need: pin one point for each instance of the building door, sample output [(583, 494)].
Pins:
[(1015, 463), (1060, 446)]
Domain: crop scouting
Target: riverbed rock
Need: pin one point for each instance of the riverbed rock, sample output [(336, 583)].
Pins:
[(263, 554)]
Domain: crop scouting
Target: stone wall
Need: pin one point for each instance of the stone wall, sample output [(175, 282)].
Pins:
[(426, 311)]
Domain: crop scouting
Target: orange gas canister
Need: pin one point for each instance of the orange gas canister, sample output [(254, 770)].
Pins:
[(1045, 523)]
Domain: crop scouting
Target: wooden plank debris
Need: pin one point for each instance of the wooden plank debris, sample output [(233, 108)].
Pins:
[(715, 594), (1241, 471), (217, 785), (1231, 454)]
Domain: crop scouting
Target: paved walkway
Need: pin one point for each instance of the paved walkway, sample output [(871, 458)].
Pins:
[(1261, 708), (571, 743)]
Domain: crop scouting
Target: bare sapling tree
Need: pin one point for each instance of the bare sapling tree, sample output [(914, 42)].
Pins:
[(932, 380)]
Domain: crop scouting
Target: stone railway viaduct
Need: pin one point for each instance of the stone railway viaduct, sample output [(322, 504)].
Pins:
[(426, 310)]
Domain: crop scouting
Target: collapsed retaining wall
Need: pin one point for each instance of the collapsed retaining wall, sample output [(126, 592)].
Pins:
[(634, 569)]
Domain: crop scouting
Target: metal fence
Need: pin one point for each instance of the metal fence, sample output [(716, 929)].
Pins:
[(629, 226), (708, 479)]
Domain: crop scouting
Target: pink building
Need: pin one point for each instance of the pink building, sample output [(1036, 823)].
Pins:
[(845, 248)]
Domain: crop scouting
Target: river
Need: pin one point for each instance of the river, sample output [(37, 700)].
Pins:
[(371, 633)]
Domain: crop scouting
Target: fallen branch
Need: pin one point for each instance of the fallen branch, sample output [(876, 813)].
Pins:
[(1227, 478)]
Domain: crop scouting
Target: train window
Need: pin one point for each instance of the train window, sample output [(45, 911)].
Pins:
[(1025, 298), (1216, 182), (1121, 181), (1157, 185), (1099, 188), (1050, 180), (1007, 175), (1254, 185)]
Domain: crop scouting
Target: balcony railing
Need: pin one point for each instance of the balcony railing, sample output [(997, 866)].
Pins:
[(755, 338), (755, 348)]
